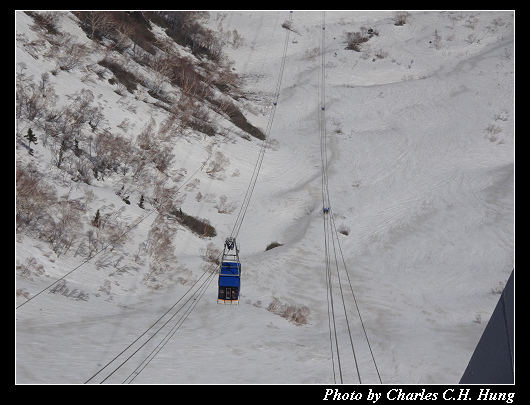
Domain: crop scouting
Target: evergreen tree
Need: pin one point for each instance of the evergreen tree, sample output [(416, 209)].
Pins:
[(77, 150), (141, 203), (97, 220), (30, 136), (61, 153)]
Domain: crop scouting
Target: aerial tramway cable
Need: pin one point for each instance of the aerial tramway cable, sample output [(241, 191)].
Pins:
[(257, 167), (331, 241), (201, 290), (248, 194), (193, 294), (242, 211), (204, 285), (325, 205), (355, 301), (330, 231)]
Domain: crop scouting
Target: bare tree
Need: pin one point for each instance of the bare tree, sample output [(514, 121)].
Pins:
[(226, 77), (71, 53), (33, 100), (96, 21), (145, 140), (401, 17), (160, 240), (211, 254), (163, 159), (217, 166), (162, 66), (123, 33), (186, 106), (210, 41), (354, 41), (190, 82), (67, 227), (225, 207), (46, 19), (164, 198), (34, 197)]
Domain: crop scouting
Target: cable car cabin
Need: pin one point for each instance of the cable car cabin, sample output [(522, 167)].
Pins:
[(229, 274), (229, 283)]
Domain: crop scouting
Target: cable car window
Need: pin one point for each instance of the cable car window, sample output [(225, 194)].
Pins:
[(221, 293), (234, 293)]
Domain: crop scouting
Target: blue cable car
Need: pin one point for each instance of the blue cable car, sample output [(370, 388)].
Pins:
[(229, 274)]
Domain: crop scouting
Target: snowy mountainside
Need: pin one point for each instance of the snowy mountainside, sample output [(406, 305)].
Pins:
[(420, 142)]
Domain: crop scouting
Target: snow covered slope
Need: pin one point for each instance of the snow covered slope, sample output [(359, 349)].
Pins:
[(420, 142)]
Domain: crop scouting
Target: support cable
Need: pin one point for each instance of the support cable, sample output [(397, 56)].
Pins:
[(205, 284), (330, 231), (356, 304), (257, 167), (156, 322), (325, 205)]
